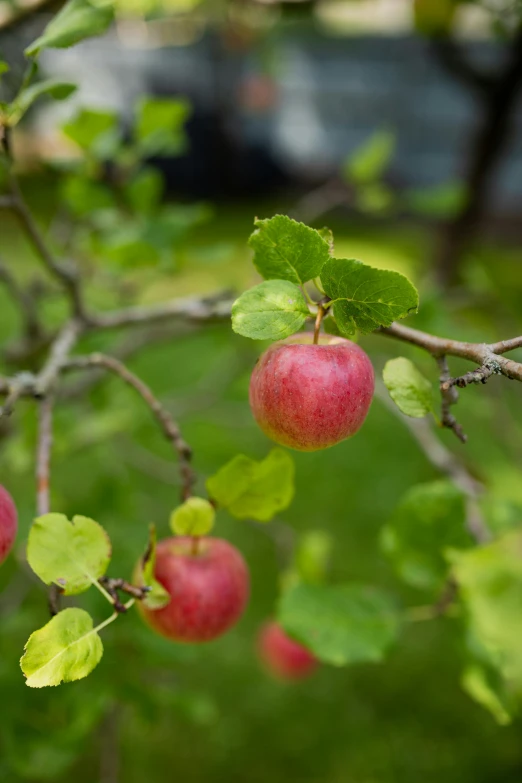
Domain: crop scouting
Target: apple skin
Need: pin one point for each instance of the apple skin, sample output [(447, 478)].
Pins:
[(209, 590), (8, 523), (310, 397), (285, 658)]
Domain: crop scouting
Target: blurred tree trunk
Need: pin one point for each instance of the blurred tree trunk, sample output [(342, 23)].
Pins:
[(498, 95)]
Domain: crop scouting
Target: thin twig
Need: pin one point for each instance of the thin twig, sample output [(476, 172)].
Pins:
[(33, 328), (450, 397), (43, 475), (207, 308), (66, 274), (447, 462), (167, 423)]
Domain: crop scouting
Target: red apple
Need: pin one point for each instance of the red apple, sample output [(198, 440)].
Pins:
[(309, 396), (282, 656), (208, 587), (8, 523)]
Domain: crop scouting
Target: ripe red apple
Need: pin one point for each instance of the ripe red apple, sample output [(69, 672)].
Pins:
[(8, 523), (283, 656), (309, 396), (208, 587)]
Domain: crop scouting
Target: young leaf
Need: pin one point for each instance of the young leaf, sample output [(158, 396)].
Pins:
[(341, 625), (430, 518), (160, 125), (157, 597), (68, 648), (72, 555), (51, 87), (365, 298), (195, 517), (490, 586), (287, 250), (77, 20), (84, 197), (369, 161), (145, 190), (312, 556), (270, 311), (255, 490), (409, 389), (487, 688), (93, 130)]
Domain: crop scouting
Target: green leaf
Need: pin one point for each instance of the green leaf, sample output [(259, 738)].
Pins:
[(157, 597), (490, 582), (312, 556), (271, 310), (487, 688), (341, 625), (68, 648), (365, 298), (287, 250), (94, 131), (72, 555), (4, 68), (77, 20), (441, 201), (160, 125), (84, 197), (371, 159), (51, 87), (145, 190), (195, 517), (409, 389), (255, 490), (374, 198), (430, 518)]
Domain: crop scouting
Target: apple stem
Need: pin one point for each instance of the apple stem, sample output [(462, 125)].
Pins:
[(195, 545), (318, 321)]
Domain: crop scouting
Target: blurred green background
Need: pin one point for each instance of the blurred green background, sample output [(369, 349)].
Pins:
[(157, 711)]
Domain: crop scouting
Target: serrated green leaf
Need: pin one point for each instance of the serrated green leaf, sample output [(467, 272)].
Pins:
[(77, 20), (95, 131), (271, 310), (365, 298), (157, 597), (72, 555), (51, 87), (287, 250), (409, 389), (341, 625), (490, 587), (195, 517), (160, 125), (369, 161), (430, 518), (487, 689), (68, 648), (255, 490)]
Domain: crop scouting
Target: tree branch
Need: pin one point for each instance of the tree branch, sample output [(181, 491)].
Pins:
[(450, 397), (206, 308), (65, 274), (448, 463), (43, 475), (167, 423), (450, 55)]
